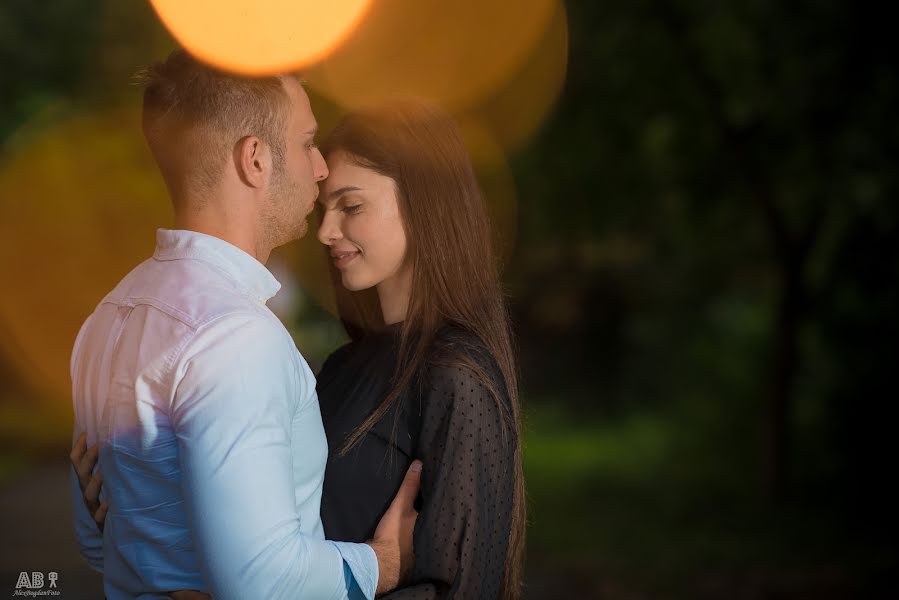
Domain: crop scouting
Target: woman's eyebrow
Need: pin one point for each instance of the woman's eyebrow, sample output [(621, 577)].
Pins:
[(343, 190)]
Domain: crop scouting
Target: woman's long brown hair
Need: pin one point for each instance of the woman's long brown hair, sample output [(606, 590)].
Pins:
[(455, 278)]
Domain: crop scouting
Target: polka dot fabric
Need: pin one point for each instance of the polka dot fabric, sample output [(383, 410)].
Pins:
[(462, 532)]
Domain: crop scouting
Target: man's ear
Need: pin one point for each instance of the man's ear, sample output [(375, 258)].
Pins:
[(252, 160)]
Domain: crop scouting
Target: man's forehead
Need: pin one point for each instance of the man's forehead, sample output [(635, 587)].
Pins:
[(300, 101)]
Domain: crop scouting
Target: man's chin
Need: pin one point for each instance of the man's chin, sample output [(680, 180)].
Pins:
[(298, 232), (302, 230)]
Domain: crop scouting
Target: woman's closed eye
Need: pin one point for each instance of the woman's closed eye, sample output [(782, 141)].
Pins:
[(352, 209)]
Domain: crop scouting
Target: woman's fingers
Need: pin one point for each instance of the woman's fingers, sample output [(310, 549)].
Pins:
[(77, 455), (100, 514), (87, 465), (92, 492), (84, 459), (189, 595)]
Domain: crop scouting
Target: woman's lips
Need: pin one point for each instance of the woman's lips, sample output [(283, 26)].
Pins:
[(342, 259)]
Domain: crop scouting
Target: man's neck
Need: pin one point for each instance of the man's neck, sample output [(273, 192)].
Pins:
[(236, 235)]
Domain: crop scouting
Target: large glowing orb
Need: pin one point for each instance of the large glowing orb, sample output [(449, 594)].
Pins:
[(457, 53), (263, 37), (80, 205)]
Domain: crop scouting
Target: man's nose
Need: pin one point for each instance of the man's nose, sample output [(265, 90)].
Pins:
[(320, 167)]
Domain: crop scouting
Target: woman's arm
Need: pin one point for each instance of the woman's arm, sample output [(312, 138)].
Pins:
[(462, 533)]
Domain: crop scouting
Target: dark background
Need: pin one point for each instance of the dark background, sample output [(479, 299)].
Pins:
[(704, 288)]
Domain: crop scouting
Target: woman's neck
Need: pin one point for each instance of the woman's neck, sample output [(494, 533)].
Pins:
[(394, 294)]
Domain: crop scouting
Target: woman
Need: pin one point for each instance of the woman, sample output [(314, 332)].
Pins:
[(430, 371)]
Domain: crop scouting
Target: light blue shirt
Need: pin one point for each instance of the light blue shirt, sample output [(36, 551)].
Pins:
[(211, 441)]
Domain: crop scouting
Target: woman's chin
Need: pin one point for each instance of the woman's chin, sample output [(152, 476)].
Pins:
[(354, 285)]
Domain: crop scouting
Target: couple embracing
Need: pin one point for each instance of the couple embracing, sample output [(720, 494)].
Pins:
[(207, 458)]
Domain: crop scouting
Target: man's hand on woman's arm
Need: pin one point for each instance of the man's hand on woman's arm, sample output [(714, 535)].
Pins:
[(393, 537)]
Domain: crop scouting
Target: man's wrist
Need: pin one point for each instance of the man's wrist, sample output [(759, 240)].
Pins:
[(388, 565)]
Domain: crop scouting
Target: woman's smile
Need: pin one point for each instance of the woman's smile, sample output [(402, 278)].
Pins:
[(342, 258)]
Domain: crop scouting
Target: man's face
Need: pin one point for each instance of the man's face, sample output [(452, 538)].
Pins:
[(294, 185)]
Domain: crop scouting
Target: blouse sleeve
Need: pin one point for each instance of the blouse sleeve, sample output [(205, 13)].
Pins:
[(462, 532)]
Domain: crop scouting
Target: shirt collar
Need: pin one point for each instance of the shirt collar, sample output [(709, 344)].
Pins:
[(247, 272)]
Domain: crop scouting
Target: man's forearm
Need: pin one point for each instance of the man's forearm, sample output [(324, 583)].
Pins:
[(388, 565)]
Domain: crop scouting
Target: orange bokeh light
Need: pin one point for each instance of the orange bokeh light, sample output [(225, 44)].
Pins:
[(518, 110), (457, 53), (260, 38), (81, 203)]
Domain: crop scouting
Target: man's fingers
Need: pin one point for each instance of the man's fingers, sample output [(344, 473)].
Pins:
[(409, 488), (92, 491)]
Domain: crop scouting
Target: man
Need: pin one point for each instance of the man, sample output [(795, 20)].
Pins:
[(210, 437)]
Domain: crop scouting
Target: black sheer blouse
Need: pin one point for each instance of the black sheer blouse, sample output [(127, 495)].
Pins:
[(452, 424)]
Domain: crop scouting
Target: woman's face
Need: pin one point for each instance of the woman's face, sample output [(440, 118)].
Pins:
[(361, 224)]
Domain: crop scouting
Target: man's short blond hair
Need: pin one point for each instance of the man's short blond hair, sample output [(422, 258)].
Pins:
[(198, 113)]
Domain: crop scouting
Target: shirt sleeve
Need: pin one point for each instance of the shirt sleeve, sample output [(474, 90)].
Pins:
[(87, 534), (232, 412), (467, 485)]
